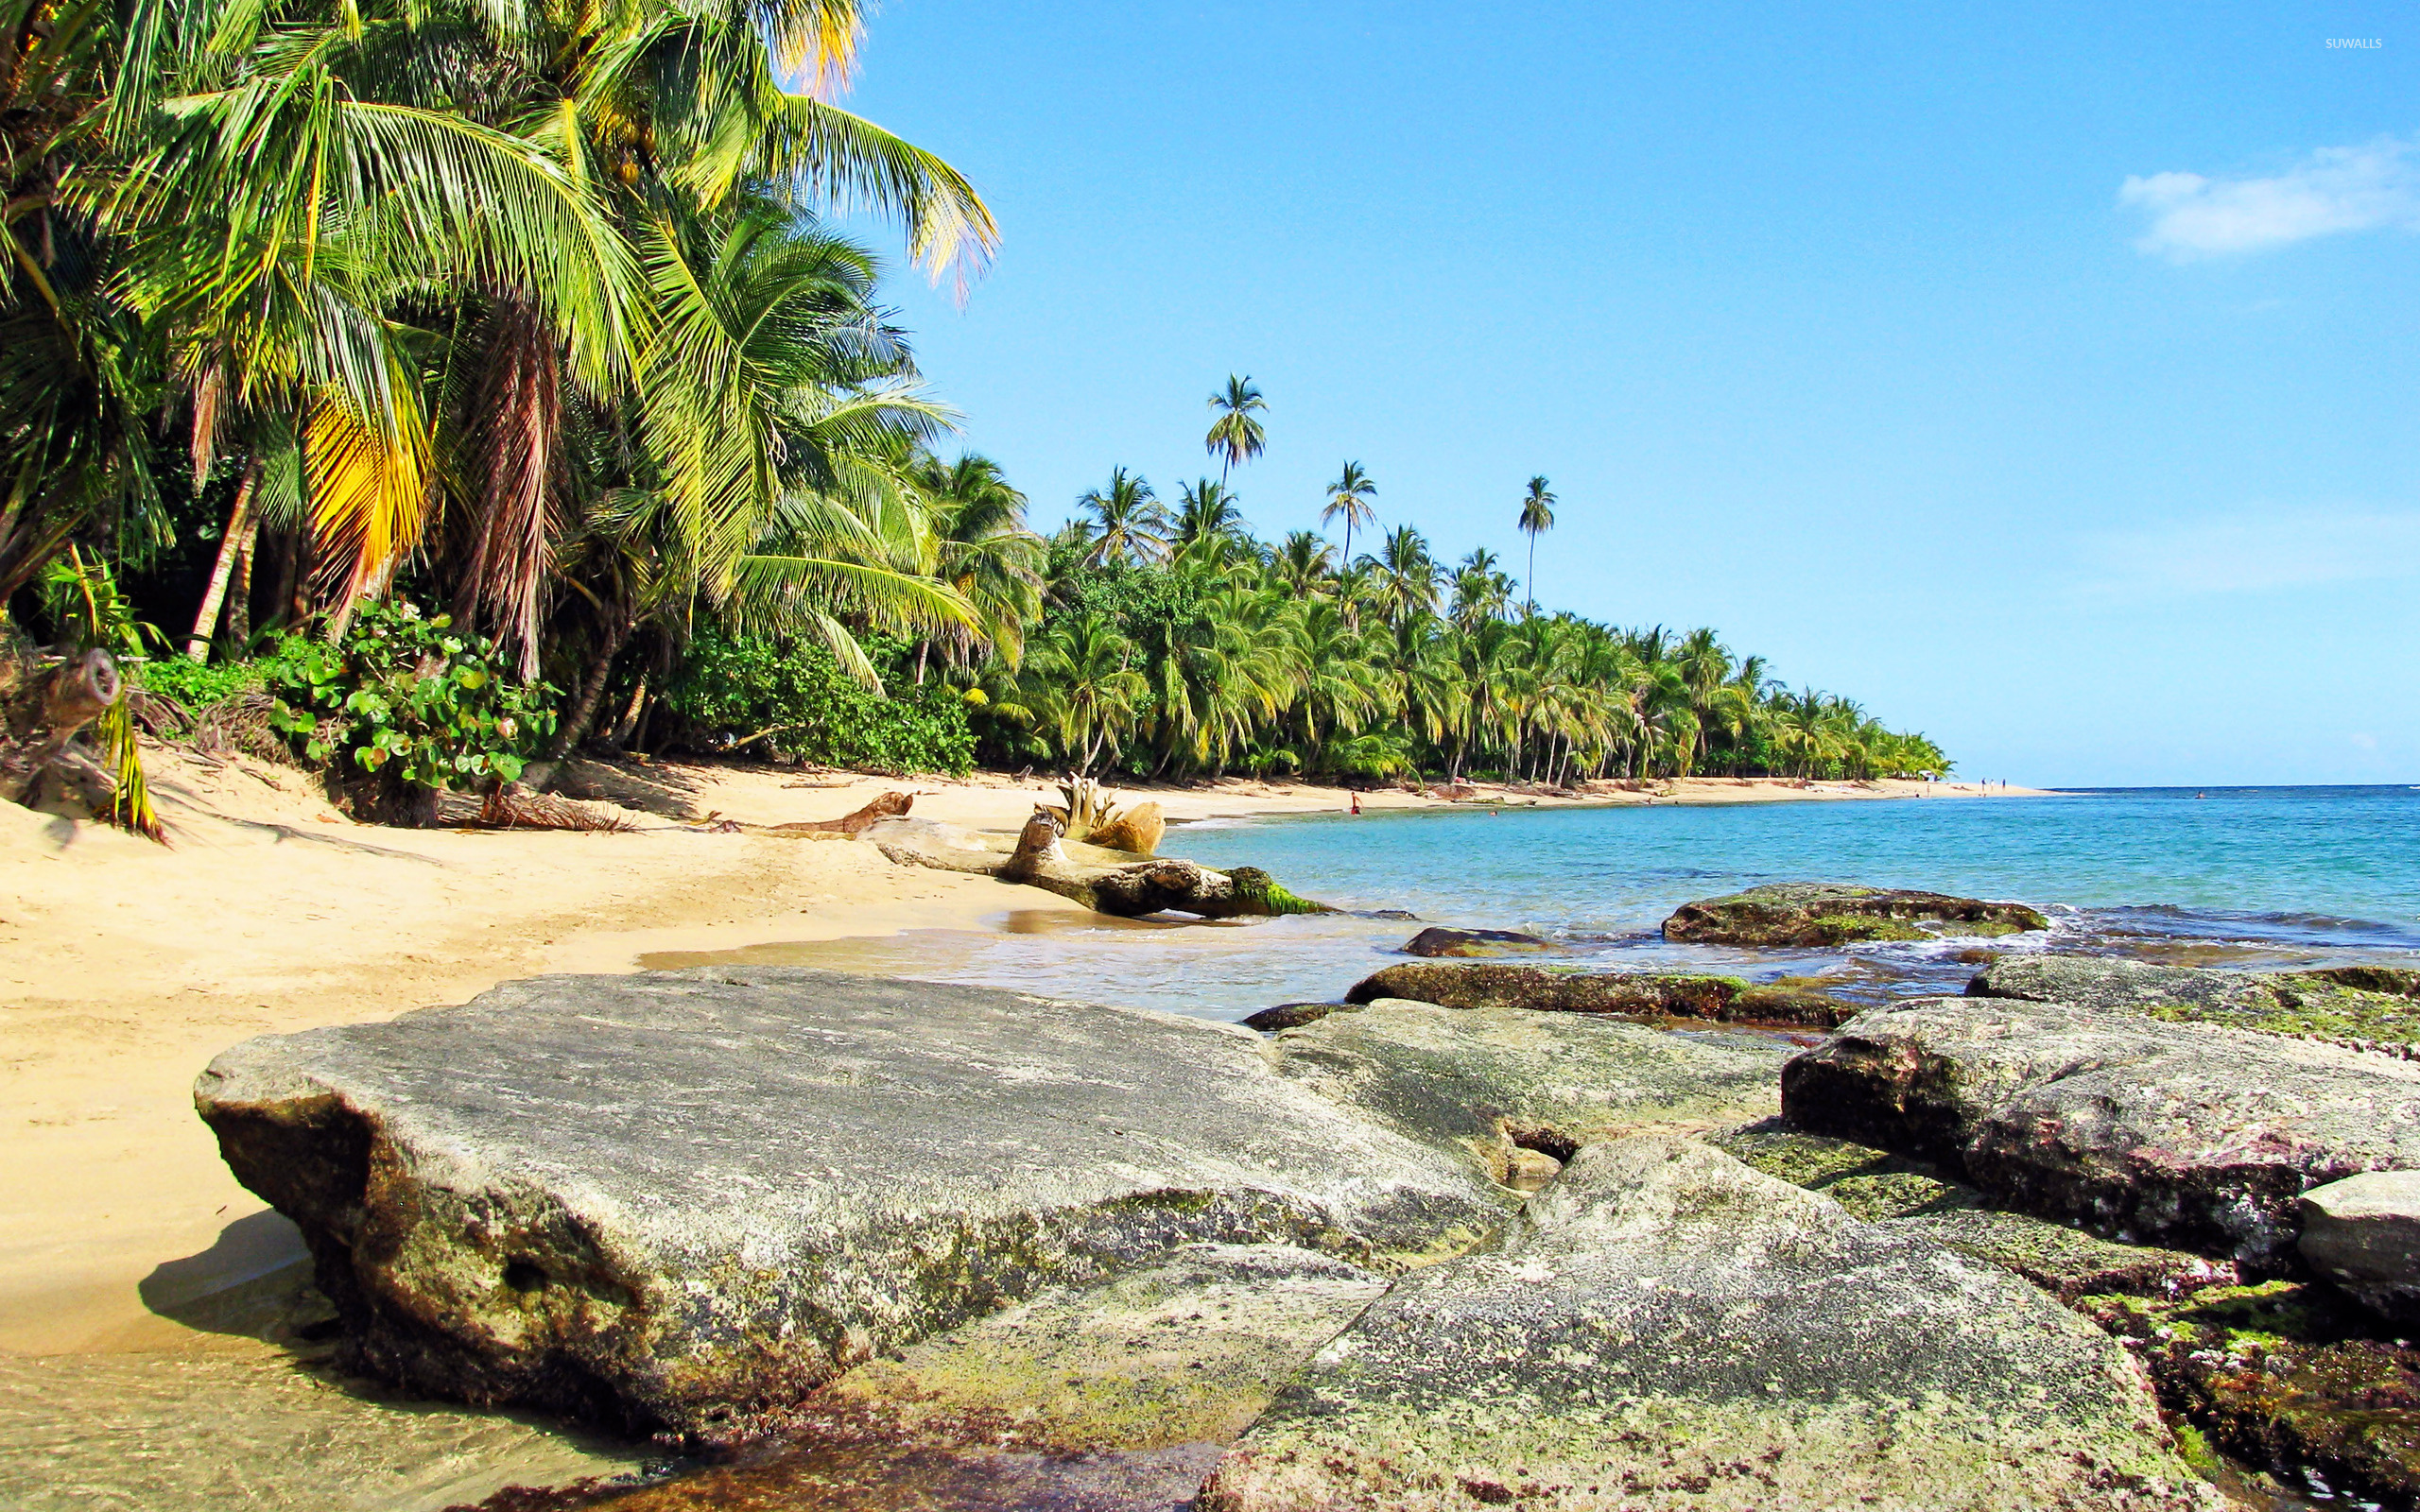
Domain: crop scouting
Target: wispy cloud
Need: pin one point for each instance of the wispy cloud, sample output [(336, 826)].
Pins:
[(2332, 191), (2252, 553)]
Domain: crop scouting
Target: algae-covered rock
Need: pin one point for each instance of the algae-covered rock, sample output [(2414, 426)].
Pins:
[(2348, 1002), (1911, 1196), (2363, 1233), (1630, 994), (2285, 1374), (678, 1202), (1516, 1093), (2152, 1132), (1438, 940), (1664, 1328), (1818, 913), (1187, 1351)]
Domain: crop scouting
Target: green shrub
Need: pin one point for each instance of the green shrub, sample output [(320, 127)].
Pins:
[(406, 702), (794, 702)]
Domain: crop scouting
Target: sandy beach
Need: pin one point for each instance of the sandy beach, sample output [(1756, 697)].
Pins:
[(126, 966)]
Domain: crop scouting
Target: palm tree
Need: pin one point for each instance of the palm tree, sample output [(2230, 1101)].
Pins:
[(1205, 512), (1402, 575), (1235, 432), (1130, 526), (1537, 516), (1350, 496), (1303, 564), (983, 550)]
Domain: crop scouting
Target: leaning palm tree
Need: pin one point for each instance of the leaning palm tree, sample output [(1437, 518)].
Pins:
[(1537, 516), (1235, 432), (1350, 496)]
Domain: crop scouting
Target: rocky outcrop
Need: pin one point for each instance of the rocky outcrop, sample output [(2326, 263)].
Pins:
[(677, 1202), (1817, 914), (1664, 1328), (1440, 940), (2362, 1004), (1514, 1092), (1911, 1196), (2363, 1233), (1624, 994), (2179, 1134)]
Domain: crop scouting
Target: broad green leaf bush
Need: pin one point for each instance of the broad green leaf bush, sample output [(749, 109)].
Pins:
[(747, 696), (405, 701)]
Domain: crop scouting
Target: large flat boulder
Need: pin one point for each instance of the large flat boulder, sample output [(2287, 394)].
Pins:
[(1626, 994), (2359, 1004), (1664, 1328), (1514, 1093), (1829, 913), (2148, 1131), (678, 1202)]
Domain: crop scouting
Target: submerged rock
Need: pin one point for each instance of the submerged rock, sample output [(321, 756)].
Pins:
[(678, 1202), (1664, 1328), (1438, 940), (2363, 1233), (1819, 913), (1516, 1093), (2177, 1134), (2360, 1003), (1625, 994)]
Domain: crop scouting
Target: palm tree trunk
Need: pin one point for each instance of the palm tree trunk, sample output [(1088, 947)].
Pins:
[(592, 689), (239, 591), (235, 543)]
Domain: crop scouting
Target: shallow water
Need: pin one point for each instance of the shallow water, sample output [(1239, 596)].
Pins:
[(2248, 877)]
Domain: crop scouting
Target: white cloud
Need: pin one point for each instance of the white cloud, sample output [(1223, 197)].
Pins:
[(2252, 553), (2334, 190)]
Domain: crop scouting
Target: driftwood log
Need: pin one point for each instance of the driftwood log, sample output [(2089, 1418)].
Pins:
[(1103, 880), (891, 805), (1144, 887), (45, 702)]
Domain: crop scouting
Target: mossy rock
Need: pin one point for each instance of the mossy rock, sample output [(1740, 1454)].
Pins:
[(1621, 994), (2368, 1004), (2287, 1373), (1883, 1188), (1269, 896), (1804, 914)]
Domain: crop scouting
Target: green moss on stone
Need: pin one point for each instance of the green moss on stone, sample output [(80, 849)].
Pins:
[(1271, 897)]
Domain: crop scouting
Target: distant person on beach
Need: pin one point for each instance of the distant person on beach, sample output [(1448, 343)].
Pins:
[(1356, 802)]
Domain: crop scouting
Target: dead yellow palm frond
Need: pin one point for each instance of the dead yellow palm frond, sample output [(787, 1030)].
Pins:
[(369, 495)]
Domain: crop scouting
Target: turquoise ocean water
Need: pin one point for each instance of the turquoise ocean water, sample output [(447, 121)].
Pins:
[(2231, 877)]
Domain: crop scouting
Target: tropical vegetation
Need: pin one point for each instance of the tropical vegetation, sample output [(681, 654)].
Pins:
[(476, 380)]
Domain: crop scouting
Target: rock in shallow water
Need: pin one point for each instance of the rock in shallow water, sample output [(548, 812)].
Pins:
[(677, 1202), (1438, 940), (1516, 1092), (1822, 912), (1623, 994), (2180, 1134), (1664, 1328)]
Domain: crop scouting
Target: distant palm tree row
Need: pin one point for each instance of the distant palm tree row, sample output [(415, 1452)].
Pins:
[(1174, 644)]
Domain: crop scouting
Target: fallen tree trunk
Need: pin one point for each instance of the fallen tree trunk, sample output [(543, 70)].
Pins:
[(1147, 886), (892, 805)]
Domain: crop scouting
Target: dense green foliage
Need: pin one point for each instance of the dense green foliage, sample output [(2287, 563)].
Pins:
[(1188, 647), (522, 310), (747, 695), (406, 698)]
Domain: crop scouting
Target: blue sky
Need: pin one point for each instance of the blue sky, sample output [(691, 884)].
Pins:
[(2042, 376)]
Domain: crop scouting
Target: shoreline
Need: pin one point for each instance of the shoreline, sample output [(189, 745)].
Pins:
[(126, 965)]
